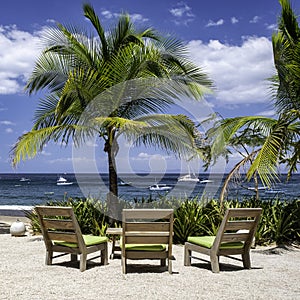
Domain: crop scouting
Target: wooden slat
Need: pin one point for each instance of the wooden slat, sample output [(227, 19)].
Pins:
[(142, 226), (146, 240), (237, 225), (146, 254), (234, 237), (58, 224), (153, 214), (54, 211), (66, 237), (147, 233), (244, 212)]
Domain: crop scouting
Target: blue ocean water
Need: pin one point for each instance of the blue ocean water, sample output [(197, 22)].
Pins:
[(40, 188)]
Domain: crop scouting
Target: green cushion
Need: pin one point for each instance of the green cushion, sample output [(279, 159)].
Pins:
[(89, 240), (207, 242), (145, 247)]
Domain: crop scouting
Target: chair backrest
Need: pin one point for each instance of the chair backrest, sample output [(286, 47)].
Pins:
[(238, 225), (147, 226), (59, 224)]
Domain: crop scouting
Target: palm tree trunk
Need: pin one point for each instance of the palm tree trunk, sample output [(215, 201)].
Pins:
[(112, 196), (256, 186)]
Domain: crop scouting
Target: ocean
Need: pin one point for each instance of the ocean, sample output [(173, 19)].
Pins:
[(32, 189)]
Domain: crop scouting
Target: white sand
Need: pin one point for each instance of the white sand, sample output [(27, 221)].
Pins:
[(23, 275)]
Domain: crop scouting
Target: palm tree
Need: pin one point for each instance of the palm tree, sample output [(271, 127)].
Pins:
[(122, 82), (280, 143)]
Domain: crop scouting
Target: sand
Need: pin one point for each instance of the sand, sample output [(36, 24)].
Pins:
[(23, 275)]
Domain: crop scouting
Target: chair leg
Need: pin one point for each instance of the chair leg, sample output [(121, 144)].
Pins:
[(124, 262), (49, 255), (83, 257), (73, 257), (104, 255), (246, 260), (162, 262), (187, 256), (214, 260), (170, 265)]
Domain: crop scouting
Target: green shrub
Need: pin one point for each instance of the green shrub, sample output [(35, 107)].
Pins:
[(279, 223), (90, 214)]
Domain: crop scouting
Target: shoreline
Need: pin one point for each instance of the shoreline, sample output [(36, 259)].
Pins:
[(14, 210)]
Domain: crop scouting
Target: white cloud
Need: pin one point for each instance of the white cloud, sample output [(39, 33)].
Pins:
[(18, 51), (136, 18), (7, 123), (212, 23), (147, 156), (255, 19), (60, 160), (45, 153), (9, 130), (268, 113), (234, 20), (239, 72), (108, 14), (272, 27), (52, 21), (181, 9), (182, 13)]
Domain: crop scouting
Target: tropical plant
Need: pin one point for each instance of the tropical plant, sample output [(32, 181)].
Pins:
[(101, 86), (90, 214), (279, 222), (276, 140)]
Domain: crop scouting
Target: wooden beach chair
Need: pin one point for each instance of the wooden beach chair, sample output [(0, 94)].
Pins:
[(228, 240), (62, 233), (147, 234)]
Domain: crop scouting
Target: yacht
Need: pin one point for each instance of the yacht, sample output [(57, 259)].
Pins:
[(159, 187), (257, 188), (188, 178), (206, 181), (63, 181), (123, 183), (24, 179)]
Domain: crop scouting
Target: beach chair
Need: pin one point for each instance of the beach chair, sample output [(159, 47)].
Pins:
[(62, 233), (147, 234), (228, 240)]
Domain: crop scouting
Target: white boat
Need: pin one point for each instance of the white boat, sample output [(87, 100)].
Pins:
[(188, 178), (258, 188), (123, 183), (206, 181), (63, 181), (24, 179), (159, 187)]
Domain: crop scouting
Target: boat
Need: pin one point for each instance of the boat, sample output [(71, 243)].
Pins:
[(188, 178), (63, 181), (206, 181), (24, 179), (251, 188), (159, 187), (123, 183)]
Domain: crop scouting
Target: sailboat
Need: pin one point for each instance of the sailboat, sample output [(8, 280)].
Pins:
[(188, 177)]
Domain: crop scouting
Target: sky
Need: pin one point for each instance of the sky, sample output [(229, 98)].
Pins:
[(230, 40)]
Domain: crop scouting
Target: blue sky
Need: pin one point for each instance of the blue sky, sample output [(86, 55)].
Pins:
[(230, 40)]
